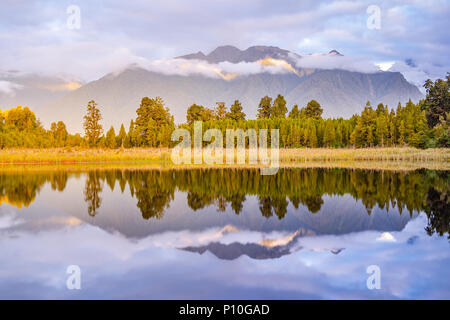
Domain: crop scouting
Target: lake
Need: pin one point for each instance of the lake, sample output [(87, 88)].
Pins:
[(223, 233)]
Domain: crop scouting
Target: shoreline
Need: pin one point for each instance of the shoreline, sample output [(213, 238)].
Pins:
[(396, 158)]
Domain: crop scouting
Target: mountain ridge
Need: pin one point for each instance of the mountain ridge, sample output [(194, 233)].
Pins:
[(341, 93)]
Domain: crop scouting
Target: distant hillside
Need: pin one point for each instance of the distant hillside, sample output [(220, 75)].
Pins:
[(341, 93)]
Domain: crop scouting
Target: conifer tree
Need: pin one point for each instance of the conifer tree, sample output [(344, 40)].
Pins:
[(236, 111), (295, 112), (279, 108), (92, 127), (110, 139), (121, 137), (313, 110), (265, 108)]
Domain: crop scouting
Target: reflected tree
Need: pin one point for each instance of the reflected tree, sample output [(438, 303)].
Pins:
[(438, 212), (92, 190), (265, 206)]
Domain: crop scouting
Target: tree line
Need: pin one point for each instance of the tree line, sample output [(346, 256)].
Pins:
[(421, 125)]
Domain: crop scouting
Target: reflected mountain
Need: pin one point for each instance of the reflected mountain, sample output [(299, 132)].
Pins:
[(236, 249), (265, 249)]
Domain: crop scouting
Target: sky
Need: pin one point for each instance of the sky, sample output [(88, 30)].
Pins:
[(87, 39)]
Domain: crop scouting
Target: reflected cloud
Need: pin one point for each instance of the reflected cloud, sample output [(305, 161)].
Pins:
[(147, 268)]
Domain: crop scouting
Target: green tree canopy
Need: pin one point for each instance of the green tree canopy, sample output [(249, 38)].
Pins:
[(236, 111), (220, 111), (194, 113), (92, 127), (437, 101), (110, 140), (265, 108), (279, 108), (313, 110), (152, 115), (295, 112)]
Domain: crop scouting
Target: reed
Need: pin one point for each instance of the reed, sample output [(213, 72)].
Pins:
[(369, 157)]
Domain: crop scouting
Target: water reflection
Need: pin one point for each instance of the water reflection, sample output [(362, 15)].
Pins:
[(303, 233), (154, 190)]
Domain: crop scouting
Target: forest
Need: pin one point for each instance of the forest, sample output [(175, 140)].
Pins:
[(421, 125)]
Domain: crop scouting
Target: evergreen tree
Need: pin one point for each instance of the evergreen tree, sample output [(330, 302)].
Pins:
[(130, 139), (279, 108), (329, 134), (120, 141), (152, 116), (236, 111), (92, 127), (295, 112), (437, 101), (220, 111), (313, 110), (195, 113), (381, 129), (265, 108), (110, 140)]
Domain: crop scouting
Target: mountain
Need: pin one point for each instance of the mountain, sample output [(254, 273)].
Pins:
[(234, 55), (341, 93)]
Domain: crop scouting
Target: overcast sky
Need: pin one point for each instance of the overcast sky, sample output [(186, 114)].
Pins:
[(35, 35)]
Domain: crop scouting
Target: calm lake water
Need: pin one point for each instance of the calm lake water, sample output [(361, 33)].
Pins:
[(224, 234)]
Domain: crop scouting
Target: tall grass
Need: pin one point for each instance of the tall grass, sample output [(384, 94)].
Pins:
[(407, 158)]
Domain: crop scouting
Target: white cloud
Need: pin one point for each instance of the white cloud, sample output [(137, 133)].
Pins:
[(387, 237), (9, 88), (224, 70), (417, 74), (357, 64)]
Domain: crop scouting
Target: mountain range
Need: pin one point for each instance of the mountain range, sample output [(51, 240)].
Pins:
[(341, 93)]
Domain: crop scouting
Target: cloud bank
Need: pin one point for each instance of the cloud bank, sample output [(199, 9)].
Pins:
[(9, 88), (356, 64)]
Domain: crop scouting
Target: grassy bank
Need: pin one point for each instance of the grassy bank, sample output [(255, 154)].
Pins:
[(370, 158)]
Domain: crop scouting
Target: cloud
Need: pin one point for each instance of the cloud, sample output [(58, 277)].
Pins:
[(386, 236), (9, 220), (117, 33), (417, 73), (356, 64), (224, 70), (9, 88)]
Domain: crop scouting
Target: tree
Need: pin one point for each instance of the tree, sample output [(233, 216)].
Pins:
[(382, 129), (207, 114), (194, 113), (220, 111), (437, 101), (92, 127), (279, 108), (313, 110), (236, 111), (110, 140), (401, 133), (329, 134), (59, 133), (265, 108), (130, 139), (311, 134), (120, 139), (152, 116), (295, 112), (21, 118)]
